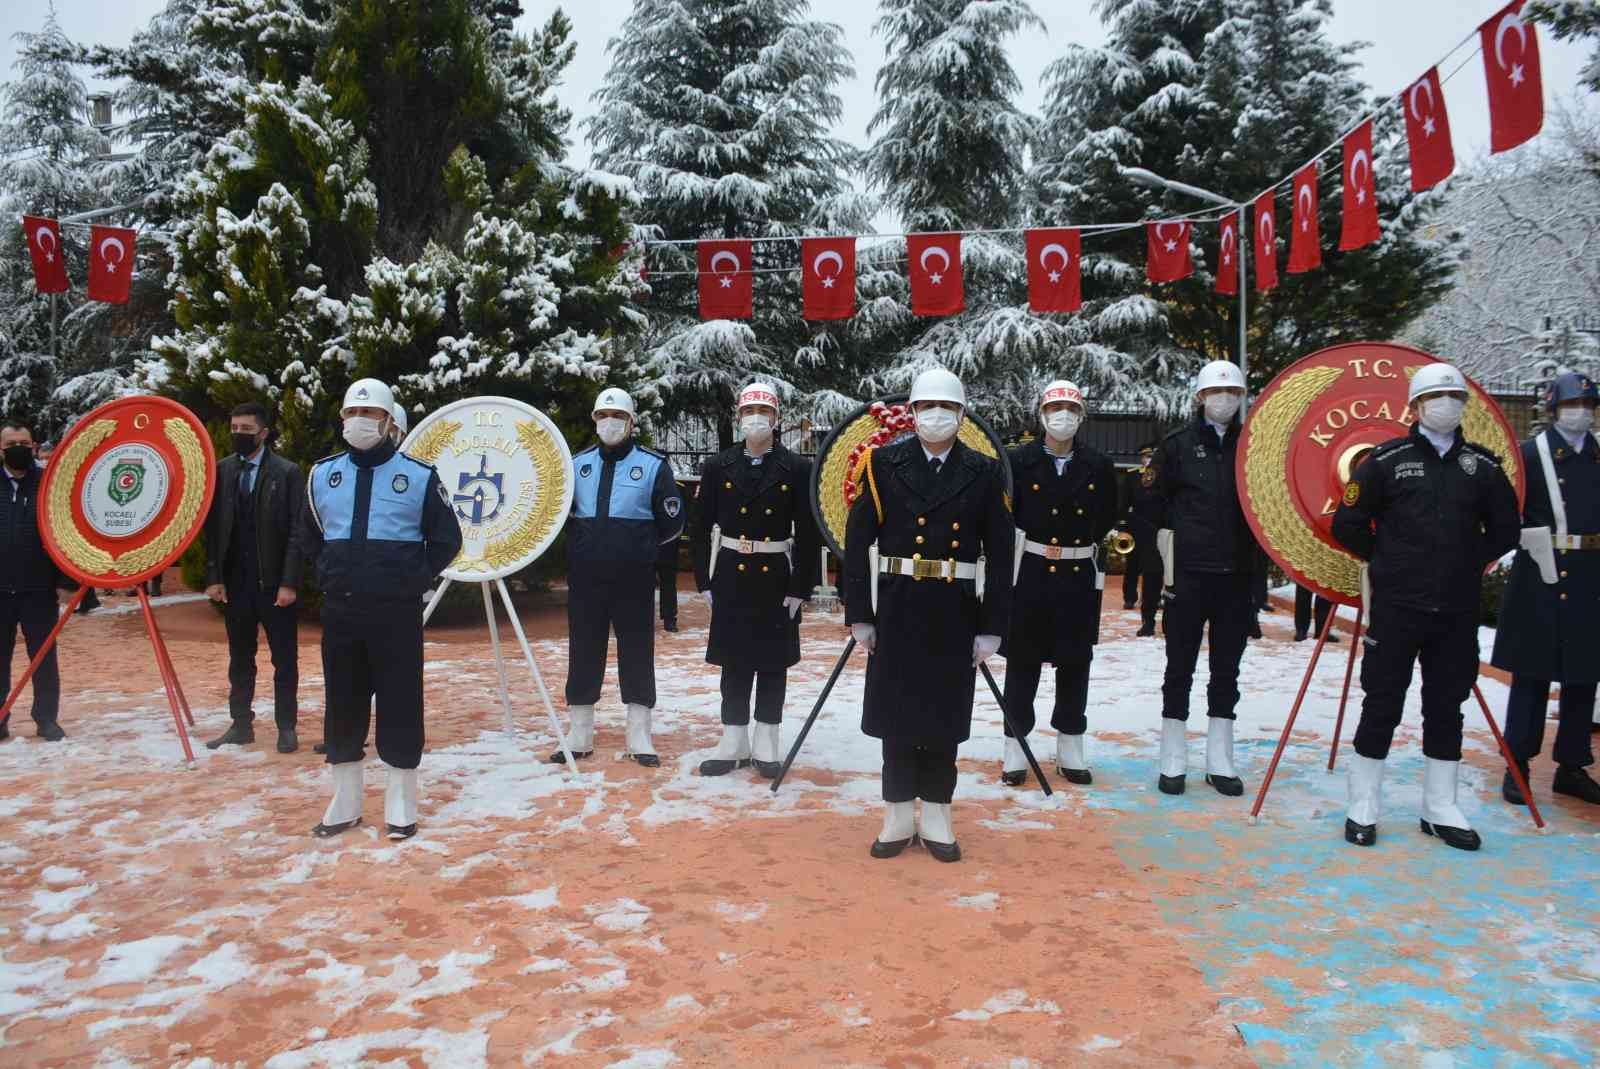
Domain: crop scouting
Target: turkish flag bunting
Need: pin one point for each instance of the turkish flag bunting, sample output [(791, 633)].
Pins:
[(727, 287), (1228, 255), (44, 246), (1305, 245), (110, 263), (1266, 241), (1428, 132), (1055, 283), (1511, 67), (935, 274), (1167, 251), (1360, 226), (828, 277)]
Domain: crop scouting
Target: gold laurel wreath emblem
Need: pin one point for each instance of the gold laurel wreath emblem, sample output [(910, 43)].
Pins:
[(64, 525), (430, 445), (550, 476)]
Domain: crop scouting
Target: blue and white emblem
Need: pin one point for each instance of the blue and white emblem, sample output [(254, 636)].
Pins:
[(399, 483), (636, 474), (334, 479), (479, 494), (586, 470)]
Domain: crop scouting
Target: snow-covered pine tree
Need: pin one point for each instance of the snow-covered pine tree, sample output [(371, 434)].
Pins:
[(720, 113), (1569, 20)]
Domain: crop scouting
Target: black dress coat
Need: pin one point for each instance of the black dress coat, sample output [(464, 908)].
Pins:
[(919, 687), (1547, 631), (1055, 614), (280, 497), (769, 501)]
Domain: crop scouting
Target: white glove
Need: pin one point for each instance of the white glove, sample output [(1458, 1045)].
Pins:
[(866, 636), (984, 647), (707, 595), (793, 604)]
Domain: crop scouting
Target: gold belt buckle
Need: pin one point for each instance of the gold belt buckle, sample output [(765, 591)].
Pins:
[(1052, 552), (746, 546), (927, 569), (1589, 541)]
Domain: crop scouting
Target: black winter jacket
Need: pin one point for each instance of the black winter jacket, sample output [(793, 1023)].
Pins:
[(1200, 501)]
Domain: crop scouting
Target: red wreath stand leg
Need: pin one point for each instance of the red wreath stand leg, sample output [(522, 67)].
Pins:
[(169, 675)]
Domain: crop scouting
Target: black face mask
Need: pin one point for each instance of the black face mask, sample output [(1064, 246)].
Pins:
[(244, 444), (19, 457)]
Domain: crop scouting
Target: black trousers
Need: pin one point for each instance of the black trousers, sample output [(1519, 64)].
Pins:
[(1304, 614), (1525, 715), (1141, 583), (35, 613), (1446, 644), (911, 771), (594, 609), (770, 688), (1072, 696), (667, 582), (373, 650), (247, 610), (1227, 603)]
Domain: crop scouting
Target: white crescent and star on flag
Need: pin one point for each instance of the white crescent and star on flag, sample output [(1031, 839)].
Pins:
[(1304, 194), (38, 239), (1230, 238), (725, 279), (1266, 230), (935, 277), (1044, 259), (106, 245), (1168, 243), (829, 256), (1360, 161), (1427, 121), (1510, 21)]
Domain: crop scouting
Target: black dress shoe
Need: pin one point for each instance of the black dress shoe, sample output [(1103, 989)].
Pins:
[(1074, 775), (1299, 636), (1232, 786), (328, 831), (287, 742), (1146, 631), (1014, 778), (669, 625), (648, 760), (559, 758), (236, 735), (1171, 784), (719, 766), (1574, 781), (5, 729), (1360, 834), (1460, 838), (51, 732), (396, 832), (768, 769), (1508, 785), (943, 851), (1129, 606), (320, 747), (882, 850)]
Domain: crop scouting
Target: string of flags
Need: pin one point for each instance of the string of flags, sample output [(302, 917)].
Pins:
[(725, 267)]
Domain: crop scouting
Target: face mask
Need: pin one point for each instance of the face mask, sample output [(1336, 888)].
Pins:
[(1442, 415), (611, 430), (19, 457), (1571, 420), (1221, 407), (244, 444), (755, 428), (1062, 425), (937, 425), (362, 432)]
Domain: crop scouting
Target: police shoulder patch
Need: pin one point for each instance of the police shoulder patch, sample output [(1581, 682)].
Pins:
[(1469, 462), (1352, 492), (585, 470), (673, 505), (400, 483), (335, 478), (636, 473)]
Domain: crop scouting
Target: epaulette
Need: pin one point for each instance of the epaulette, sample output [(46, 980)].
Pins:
[(585, 452), (1394, 445), (330, 456), (646, 449), (1485, 452), (418, 461)]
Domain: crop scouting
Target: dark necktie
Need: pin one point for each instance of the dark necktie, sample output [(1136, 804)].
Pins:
[(244, 487), (935, 463)]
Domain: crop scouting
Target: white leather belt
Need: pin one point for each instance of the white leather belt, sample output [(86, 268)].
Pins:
[(949, 570), (747, 546), (1573, 541), (1059, 552)]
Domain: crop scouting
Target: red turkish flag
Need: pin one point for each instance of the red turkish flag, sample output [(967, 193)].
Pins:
[(44, 246), (1360, 226), (828, 277), (727, 288), (1428, 132), (1266, 242), (1305, 244), (936, 288), (1167, 251), (110, 263), (1055, 281), (1228, 255), (1511, 67)]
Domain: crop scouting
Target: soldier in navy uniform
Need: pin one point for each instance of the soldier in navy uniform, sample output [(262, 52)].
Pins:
[(380, 527), (927, 509), (625, 505), (1428, 512), (755, 547), (1548, 615), (1065, 495), (1141, 581)]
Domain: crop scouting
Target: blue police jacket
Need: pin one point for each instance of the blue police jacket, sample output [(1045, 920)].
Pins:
[(378, 525), (625, 505)]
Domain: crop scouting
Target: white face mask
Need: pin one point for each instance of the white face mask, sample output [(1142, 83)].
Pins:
[(362, 432), (755, 428), (1221, 407), (1575, 421), (1062, 425), (937, 425), (1442, 415), (611, 430)]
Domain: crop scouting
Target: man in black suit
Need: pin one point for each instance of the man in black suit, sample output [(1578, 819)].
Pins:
[(28, 579), (253, 569)]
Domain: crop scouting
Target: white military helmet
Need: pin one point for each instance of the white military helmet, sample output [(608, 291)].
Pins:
[(759, 393), (401, 424), (1219, 373), (937, 384), (1062, 390), (616, 399), (1436, 378), (368, 393)]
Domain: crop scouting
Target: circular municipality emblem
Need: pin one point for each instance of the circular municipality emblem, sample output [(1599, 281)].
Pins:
[(126, 491), (506, 471), (1309, 431)]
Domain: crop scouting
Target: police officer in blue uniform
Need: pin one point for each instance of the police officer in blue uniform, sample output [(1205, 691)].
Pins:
[(380, 528), (1548, 617), (625, 504)]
